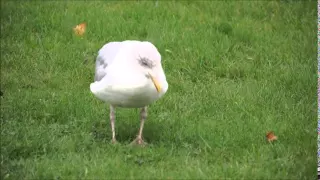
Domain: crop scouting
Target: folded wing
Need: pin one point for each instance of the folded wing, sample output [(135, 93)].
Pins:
[(105, 58)]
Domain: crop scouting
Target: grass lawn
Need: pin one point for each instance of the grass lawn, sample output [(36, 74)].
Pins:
[(235, 69)]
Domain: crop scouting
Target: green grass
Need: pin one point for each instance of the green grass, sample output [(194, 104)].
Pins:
[(235, 71)]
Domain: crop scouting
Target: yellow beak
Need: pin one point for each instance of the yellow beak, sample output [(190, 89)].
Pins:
[(156, 83)]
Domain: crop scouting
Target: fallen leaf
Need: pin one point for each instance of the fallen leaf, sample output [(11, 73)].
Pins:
[(271, 137), (80, 29)]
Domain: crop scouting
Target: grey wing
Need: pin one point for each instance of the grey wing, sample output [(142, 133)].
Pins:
[(105, 57)]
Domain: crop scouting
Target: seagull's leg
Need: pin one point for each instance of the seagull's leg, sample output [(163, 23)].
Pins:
[(143, 115), (112, 119)]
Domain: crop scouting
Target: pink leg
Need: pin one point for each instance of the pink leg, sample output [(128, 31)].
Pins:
[(143, 115), (112, 119)]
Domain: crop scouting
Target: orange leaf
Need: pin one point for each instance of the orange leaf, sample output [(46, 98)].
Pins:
[(80, 29), (271, 137)]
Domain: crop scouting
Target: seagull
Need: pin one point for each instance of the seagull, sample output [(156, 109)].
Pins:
[(129, 74)]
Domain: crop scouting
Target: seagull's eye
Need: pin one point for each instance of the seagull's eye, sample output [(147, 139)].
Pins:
[(145, 62)]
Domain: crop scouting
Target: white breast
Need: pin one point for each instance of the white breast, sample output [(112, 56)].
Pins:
[(126, 96)]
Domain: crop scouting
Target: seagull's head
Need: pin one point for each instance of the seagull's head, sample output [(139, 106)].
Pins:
[(145, 62), (151, 68)]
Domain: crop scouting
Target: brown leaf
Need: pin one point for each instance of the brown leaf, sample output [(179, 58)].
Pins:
[(80, 29), (271, 137)]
